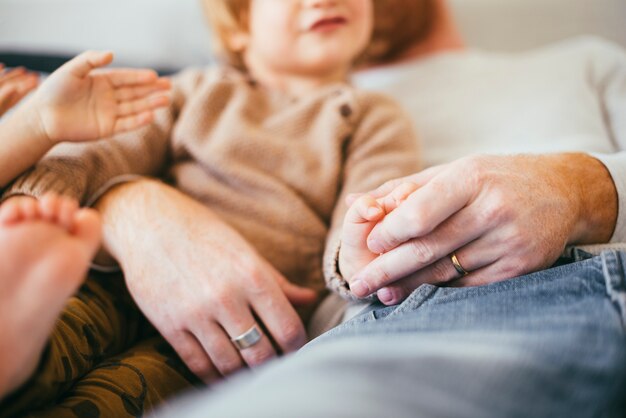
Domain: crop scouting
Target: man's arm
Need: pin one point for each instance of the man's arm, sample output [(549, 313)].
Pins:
[(197, 280)]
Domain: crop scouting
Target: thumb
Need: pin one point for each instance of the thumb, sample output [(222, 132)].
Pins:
[(297, 295), (83, 64)]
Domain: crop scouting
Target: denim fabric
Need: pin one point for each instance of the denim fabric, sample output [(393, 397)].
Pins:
[(549, 344)]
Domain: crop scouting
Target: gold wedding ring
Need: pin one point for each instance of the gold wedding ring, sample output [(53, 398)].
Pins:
[(457, 265)]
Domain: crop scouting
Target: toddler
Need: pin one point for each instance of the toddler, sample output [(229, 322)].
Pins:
[(272, 142), (47, 245)]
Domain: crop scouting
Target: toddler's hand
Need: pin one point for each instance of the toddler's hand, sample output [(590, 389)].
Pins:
[(360, 219), (14, 85), (79, 102), (364, 213)]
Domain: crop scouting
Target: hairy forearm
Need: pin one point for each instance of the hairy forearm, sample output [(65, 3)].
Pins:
[(23, 142), (133, 212), (596, 194)]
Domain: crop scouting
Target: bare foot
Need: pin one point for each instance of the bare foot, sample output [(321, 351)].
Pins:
[(46, 249)]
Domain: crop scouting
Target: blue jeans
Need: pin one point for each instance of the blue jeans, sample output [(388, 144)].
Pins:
[(549, 344)]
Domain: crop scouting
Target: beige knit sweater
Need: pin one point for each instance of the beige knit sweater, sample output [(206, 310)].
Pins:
[(276, 169)]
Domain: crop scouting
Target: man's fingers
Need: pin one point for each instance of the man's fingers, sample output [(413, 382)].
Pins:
[(139, 92), (281, 320), (298, 296), (237, 320), (397, 196), (138, 106), (193, 355), (419, 179), (496, 272), (473, 258), (130, 123), (422, 212), (418, 253), (83, 64)]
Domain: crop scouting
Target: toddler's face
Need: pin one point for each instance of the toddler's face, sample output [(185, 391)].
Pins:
[(308, 37)]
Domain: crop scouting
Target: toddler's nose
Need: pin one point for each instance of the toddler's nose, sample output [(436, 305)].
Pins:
[(320, 3)]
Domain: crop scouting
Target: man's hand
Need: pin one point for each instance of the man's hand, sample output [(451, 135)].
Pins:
[(81, 102), (502, 216), (198, 281)]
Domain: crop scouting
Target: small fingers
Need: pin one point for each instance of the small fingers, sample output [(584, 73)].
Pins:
[(138, 92), (8, 96), (397, 196), (22, 87), (130, 123), (135, 107), (7, 76), (130, 77), (359, 221), (84, 63), (66, 211)]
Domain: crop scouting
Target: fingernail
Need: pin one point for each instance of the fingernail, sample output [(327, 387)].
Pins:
[(360, 288), (375, 246), (385, 295)]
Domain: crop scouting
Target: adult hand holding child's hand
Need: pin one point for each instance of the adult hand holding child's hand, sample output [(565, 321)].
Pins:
[(198, 281), (500, 216)]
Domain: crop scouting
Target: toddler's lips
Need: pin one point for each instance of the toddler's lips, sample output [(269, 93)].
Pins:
[(329, 23)]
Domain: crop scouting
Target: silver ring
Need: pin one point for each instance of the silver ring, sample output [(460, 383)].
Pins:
[(248, 338)]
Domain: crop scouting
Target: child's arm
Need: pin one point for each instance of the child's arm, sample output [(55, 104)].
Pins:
[(77, 103), (384, 147)]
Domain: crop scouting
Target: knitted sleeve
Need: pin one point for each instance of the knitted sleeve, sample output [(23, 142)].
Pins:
[(81, 170), (383, 147)]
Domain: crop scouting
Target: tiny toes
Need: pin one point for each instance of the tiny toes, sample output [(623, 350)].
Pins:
[(9, 213), (88, 228), (66, 211), (29, 209), (49, 207)]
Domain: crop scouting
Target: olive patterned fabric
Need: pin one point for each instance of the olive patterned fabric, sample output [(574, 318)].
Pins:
[(103, 360)]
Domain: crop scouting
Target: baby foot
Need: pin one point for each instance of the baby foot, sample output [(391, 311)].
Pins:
[(47, 246), (360, 219)]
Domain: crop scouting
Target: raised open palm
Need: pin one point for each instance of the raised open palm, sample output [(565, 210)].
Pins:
[(81, 102)]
